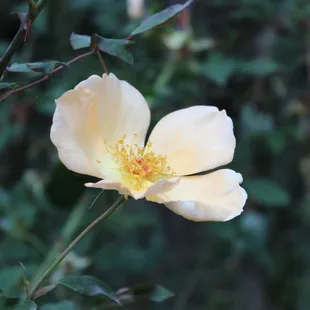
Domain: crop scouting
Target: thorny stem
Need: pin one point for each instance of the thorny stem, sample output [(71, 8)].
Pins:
[(18, 39), (46, 77), (52, 267)]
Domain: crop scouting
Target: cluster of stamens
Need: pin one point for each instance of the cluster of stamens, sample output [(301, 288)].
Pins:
[(137, 164)]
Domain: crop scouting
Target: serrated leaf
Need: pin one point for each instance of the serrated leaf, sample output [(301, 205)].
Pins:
[(44, 290), (45, 67), (88, 286), (26, 305), (267, 192), (161, 17), (79, 41), (9, 85), (114, 47)]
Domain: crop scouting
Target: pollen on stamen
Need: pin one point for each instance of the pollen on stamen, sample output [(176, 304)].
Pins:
[(138, 164)]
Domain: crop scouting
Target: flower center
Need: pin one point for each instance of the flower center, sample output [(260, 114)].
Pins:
[(139, 164)]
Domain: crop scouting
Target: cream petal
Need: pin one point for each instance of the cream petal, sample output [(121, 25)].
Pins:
[(194, 139), (162, 186), (69, 152), (78, 114), (122, 110), (212, 197), (158, 187), (107, 184), (98, 110)]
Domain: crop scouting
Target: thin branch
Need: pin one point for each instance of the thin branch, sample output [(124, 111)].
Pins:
[(11, 50), (18, 39), (46, 77), (48, 272), (102, 62)]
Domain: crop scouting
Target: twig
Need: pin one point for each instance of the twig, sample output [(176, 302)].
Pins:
[(103, 65), (11, 50), (47, 273), (46, 77), (69, 229), (18, 39)]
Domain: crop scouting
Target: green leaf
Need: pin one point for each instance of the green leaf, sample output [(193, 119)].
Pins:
[(218, 68), (267, 192), (9, 85), (88, 286), (155, 293), (160, 294), (114, 47), (161, 17), (26, 305), (261, 66), (254, 122), (15, 67), (79, 41), (63, 305), (9, 277), (45, 67)]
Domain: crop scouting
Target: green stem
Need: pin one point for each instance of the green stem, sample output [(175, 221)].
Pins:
[(52, 267), (68, 231), (102, 62)]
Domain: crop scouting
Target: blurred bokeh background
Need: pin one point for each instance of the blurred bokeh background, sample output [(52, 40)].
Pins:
[(250, 57)]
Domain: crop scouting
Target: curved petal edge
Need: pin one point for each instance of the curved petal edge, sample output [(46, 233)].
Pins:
[(212, 197)]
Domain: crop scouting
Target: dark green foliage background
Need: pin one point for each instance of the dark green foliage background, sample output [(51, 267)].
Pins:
[(257, 67)]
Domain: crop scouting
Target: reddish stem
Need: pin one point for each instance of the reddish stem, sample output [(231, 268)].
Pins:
[(29, 24), (17, 90)]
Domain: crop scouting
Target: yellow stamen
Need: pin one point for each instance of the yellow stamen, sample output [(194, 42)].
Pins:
[(139, 164)]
